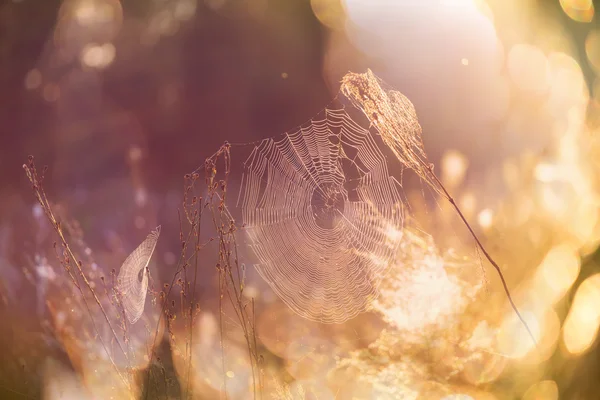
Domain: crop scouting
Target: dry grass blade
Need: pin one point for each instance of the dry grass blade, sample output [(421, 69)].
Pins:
[(133, 277), (395, 118), (71, 260)]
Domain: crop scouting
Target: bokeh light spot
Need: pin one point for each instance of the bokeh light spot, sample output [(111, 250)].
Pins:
[(135, 153), (329, 12), (33, 79), (454, 167), (88, 12), (544, 390), (528, 68), (568, 86), (581, 326), (485, 218), (592, 49), (558, 271), (578, 10), (98, 56)]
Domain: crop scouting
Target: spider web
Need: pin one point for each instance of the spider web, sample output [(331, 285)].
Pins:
[(318, 205), (132, 282)]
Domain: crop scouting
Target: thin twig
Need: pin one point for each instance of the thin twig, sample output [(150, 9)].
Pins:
[(485, 253), (196, 251)]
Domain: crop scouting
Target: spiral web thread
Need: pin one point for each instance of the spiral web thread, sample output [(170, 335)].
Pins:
[(132, 282), (318, 205)]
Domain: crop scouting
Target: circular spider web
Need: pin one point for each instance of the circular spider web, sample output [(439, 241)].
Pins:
[(132, 282), (319, 205)]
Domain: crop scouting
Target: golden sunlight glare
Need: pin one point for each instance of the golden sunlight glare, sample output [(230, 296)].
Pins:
[(430, 231)]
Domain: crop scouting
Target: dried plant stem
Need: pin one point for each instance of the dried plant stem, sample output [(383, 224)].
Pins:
[(164, 307), (395, 118), (252, 326), (180, 265), (40, 195), (228, 280), (221, 283), (485, 253), (196, 251)]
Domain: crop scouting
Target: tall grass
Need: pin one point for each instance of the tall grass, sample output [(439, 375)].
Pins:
[(231, 276)]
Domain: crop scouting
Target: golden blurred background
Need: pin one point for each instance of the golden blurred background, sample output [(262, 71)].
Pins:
[(121, 98)]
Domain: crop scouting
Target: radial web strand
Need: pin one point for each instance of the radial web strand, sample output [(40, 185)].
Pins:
[(317, 205), (132, 282)]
